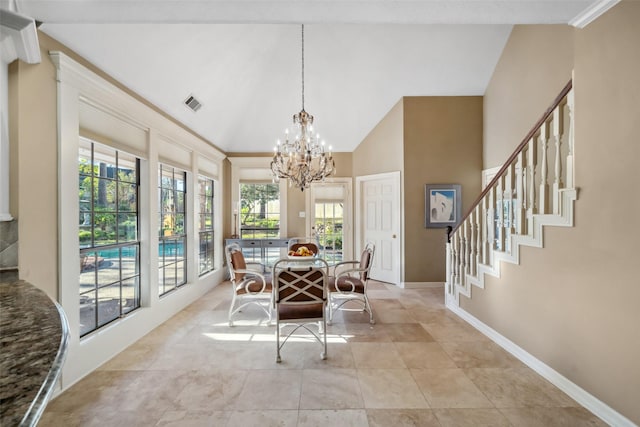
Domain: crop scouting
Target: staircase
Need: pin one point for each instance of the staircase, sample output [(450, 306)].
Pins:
[(533, 189)]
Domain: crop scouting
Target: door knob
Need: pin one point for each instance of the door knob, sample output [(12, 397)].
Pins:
[(394, 236)]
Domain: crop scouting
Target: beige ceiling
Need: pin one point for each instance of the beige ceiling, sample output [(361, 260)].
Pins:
[(241, 59)]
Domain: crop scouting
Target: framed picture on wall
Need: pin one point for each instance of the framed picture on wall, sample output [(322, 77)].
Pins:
[(442, 205)]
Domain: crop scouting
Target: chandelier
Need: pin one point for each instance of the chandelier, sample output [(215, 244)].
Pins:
[(302, 158)]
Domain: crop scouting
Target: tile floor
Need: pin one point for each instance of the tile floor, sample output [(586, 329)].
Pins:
[(419, 365)]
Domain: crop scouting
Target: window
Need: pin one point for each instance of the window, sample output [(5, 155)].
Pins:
[(260, 217), (172, 243), (259, 211), (328, 225), (108, 183), (205, 227)]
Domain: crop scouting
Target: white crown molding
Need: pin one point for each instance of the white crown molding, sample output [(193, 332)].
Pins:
[(19, 38), (591, 13), (580, 395)]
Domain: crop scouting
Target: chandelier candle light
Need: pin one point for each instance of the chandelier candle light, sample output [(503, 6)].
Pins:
[(302, 157)]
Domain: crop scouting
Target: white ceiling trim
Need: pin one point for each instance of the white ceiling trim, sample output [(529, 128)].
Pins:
[(308, 11), (592, 12)]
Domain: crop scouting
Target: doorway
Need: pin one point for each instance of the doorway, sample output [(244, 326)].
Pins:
[(330, 219)]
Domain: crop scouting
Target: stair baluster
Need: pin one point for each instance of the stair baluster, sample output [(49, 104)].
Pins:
[(543, 199), (558, 126), (520, 196)]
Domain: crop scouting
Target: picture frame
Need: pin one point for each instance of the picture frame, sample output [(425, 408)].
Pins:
[(443, 205)]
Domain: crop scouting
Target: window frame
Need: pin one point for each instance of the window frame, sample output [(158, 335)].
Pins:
[(90, 255), (177, 243), (209, 251)]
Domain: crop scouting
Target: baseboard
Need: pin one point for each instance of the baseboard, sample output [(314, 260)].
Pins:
[(584, 398), (421, 285)]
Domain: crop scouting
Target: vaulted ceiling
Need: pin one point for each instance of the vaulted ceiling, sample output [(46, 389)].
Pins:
[(242, 58)]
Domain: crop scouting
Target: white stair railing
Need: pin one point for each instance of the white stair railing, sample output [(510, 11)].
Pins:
[(525, 195)]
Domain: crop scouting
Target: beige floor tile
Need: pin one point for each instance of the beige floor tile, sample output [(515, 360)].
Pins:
[(552, 417), (193, 419), (448, 329), (415, 304), (137, 357), (432, 314), (270, 389), (390, 388), (395, 315), (66, 419), (105, 417), (386, 304), (347, 316), (153, 392), (330, 389), (362, 332), (479, 354), (467, 417), (424, 355), (406, 332), (263, 418), (100, 389), (179, 357), (401, 418), (339, 355), (449, 388), (211, 390), (376, 355), (516, 387), (342, 418)]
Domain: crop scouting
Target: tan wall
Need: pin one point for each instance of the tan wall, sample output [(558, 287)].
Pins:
[(574, 304), (33, 147), (536, 64), (381, 150), (442, 145)]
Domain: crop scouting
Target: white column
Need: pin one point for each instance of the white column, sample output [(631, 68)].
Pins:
[(4, 142)]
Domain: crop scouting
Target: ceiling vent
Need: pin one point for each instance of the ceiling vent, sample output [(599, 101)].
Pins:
[(193, 104)]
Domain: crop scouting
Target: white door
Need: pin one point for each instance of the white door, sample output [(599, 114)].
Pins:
[(329, 218), (378, 211)]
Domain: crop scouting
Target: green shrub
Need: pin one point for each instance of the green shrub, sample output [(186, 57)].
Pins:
[(84, 235)]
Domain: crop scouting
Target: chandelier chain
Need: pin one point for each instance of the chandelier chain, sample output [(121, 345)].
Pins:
[(303, 66)]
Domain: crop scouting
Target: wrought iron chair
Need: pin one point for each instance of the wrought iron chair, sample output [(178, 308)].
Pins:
[(250, 284), (300, 300), (311, 243), (349, 283)]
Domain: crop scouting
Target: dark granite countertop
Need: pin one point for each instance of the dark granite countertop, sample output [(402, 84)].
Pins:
[(33, 341)]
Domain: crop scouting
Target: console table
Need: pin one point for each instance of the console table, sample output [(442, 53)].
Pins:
[(264, 251)]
